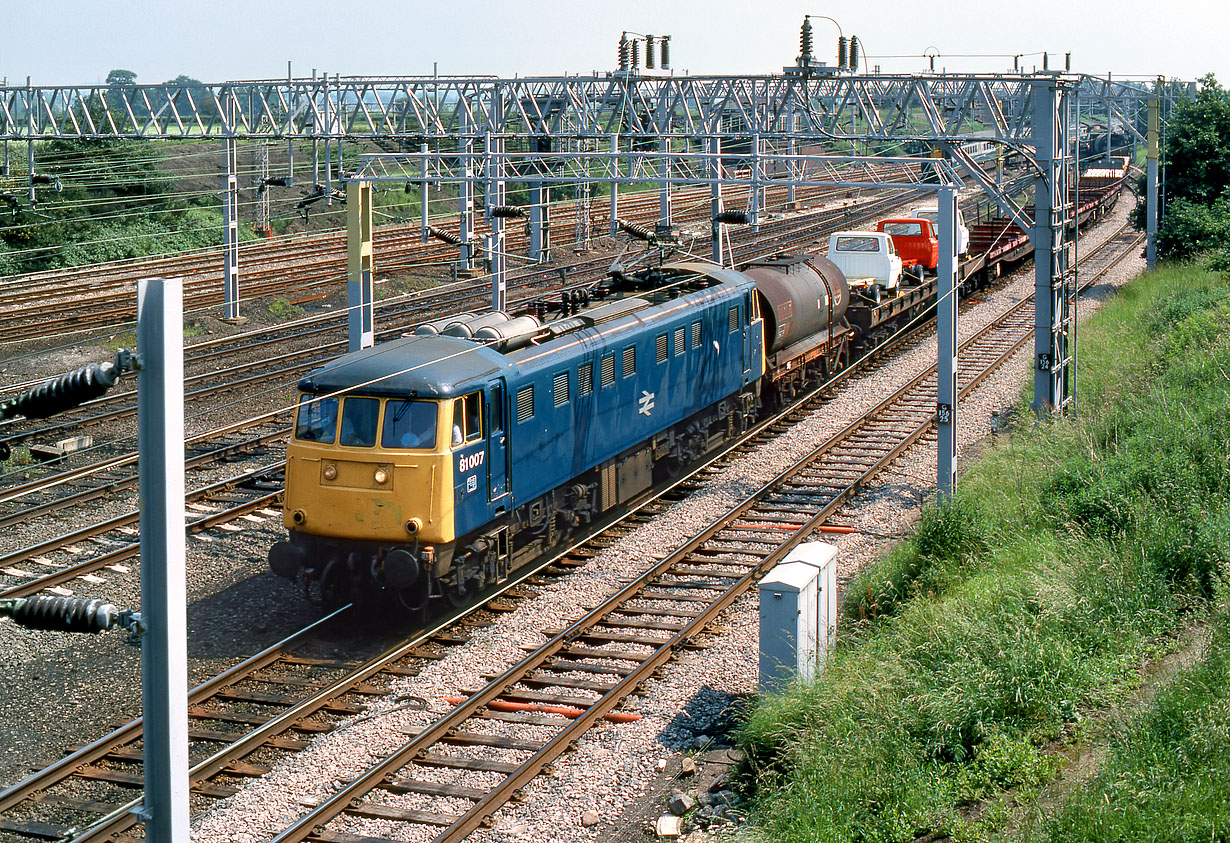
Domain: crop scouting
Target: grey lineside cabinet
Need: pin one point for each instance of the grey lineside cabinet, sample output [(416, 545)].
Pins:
[(798, 615)]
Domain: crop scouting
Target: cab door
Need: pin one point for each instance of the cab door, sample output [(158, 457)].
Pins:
[(753, 339), (497, 462), (469, 447)]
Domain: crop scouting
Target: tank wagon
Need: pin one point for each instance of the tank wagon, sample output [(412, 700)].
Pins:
[(437, 464)]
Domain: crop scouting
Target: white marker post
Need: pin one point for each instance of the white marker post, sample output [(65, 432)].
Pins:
[(164, 641), (946, 328)]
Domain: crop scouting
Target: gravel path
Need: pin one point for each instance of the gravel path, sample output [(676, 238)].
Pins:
[(617, 771)]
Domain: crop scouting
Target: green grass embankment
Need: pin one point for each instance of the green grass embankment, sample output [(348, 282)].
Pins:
[(1021, 613)]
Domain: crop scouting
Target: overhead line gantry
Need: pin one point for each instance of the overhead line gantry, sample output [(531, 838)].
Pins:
[(626, 113)]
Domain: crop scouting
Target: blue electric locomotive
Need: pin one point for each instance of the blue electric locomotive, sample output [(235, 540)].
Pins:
[(438, 463)]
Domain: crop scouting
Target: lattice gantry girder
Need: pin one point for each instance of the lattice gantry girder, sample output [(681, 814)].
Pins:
[(839, 106), (636, 167)]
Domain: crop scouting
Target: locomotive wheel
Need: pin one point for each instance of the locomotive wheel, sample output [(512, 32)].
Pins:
[(466, 583), (461, 592)]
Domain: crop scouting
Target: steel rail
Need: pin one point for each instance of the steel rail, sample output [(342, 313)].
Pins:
[(111, 486), (122, 818), (482, 811), (64, 768), (43, 484), (396, 244)]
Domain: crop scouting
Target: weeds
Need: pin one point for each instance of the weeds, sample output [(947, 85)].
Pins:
[(19, 457), (282, 308), (952, 537), (1168, 777)]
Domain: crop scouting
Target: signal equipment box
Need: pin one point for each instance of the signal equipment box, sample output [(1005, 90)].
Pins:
[(798, 616)]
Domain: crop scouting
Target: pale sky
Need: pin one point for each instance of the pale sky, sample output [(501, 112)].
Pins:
[(61, 42)]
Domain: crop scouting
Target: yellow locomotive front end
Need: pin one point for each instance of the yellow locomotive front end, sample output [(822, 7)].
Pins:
[(372, 469), (368, 492)]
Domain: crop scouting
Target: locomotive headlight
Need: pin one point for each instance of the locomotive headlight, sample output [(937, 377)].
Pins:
[(330, 472), (381, 476)]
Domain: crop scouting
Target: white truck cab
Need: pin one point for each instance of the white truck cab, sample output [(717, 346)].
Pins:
[(868, 260), (932, 213)]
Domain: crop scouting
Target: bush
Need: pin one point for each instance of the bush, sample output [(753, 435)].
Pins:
[(1191, 229)]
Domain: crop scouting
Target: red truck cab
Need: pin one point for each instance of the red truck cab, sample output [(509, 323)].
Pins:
[(915, 240)]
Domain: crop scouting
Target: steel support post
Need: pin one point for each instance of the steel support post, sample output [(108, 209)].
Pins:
[(1051, 203), (664, 195), (537, 232), (496, 197), (164, 638), (540, 247), (584, 207), (290, 126), (329, 131), (585, 229), (614, 215), (230, 226), (715, 200), (360, 269), (30, 139), (423, 197), (1072, 241), (318, 129), (1151, 215), (757, 186), (946, 363), (465, 202), (262, 189), (790, 194)]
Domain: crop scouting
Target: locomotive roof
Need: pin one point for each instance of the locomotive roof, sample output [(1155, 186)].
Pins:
[(420, 366), (441, 366)]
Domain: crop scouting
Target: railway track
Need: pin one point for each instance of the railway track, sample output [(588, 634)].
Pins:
[(599, 659), (72, 488), (102, 296)]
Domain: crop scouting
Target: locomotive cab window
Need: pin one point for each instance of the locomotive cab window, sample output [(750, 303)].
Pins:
[(359, 417), (317, 419), (409, 424), (467, 418)]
